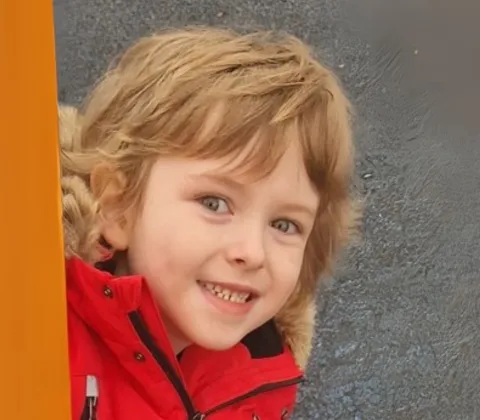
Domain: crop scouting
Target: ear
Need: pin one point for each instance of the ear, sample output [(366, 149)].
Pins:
[(108, 186)]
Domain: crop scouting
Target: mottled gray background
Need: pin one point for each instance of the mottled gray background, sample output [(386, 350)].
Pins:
[(398, 326)]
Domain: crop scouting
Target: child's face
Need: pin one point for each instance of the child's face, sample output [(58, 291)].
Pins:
[(221, 254)]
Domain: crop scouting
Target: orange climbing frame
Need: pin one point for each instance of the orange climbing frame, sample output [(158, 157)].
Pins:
[(34, 382)]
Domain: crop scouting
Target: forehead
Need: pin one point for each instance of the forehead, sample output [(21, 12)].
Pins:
[(287, 179)]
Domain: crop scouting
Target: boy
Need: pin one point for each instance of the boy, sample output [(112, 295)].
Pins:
[(206, 189)]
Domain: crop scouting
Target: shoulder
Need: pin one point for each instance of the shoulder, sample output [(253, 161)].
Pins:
[(258, 378), (278, 369)]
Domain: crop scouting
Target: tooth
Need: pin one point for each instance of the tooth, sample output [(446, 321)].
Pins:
[(226, 294)]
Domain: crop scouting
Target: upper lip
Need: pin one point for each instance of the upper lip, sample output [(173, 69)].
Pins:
[(240, 288)]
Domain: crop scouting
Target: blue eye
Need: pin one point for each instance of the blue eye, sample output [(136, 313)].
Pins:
[(215, 204), (286, 226)]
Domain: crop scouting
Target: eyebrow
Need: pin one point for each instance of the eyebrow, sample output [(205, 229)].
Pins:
[(219, 179), (299, 208)]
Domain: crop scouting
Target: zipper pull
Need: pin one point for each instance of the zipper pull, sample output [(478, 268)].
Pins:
[(92, 396)]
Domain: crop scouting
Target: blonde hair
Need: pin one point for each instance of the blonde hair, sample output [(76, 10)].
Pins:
[(156, 100)]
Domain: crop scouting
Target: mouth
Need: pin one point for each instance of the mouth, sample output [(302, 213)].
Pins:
[(227, 294)]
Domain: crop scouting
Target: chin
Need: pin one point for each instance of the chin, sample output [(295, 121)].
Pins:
[(217, 343)]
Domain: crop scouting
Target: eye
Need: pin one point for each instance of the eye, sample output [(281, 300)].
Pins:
[(215, 204), (286, 226)]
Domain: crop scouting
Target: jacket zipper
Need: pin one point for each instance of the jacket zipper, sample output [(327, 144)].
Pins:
[(260, 390), (90, 410), (161, 358)]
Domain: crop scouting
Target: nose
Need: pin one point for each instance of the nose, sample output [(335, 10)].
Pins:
[(246, 248)]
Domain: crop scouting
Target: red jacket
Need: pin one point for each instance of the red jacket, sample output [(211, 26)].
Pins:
[(123, 367)]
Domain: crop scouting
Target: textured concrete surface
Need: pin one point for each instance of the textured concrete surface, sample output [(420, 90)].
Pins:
[(398, 333)]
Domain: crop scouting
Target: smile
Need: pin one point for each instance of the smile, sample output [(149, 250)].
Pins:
[(225, 293)]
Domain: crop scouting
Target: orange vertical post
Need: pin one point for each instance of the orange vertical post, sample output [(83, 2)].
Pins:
[(34, 380)]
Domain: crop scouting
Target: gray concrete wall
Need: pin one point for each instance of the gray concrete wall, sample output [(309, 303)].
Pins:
[(398, 326)]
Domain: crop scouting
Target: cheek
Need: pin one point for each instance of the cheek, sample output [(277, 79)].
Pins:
[(149, 247), (287, 272), (168, 245), (152, 255)]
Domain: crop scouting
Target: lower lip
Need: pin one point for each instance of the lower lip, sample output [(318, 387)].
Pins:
[(226, 306)]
